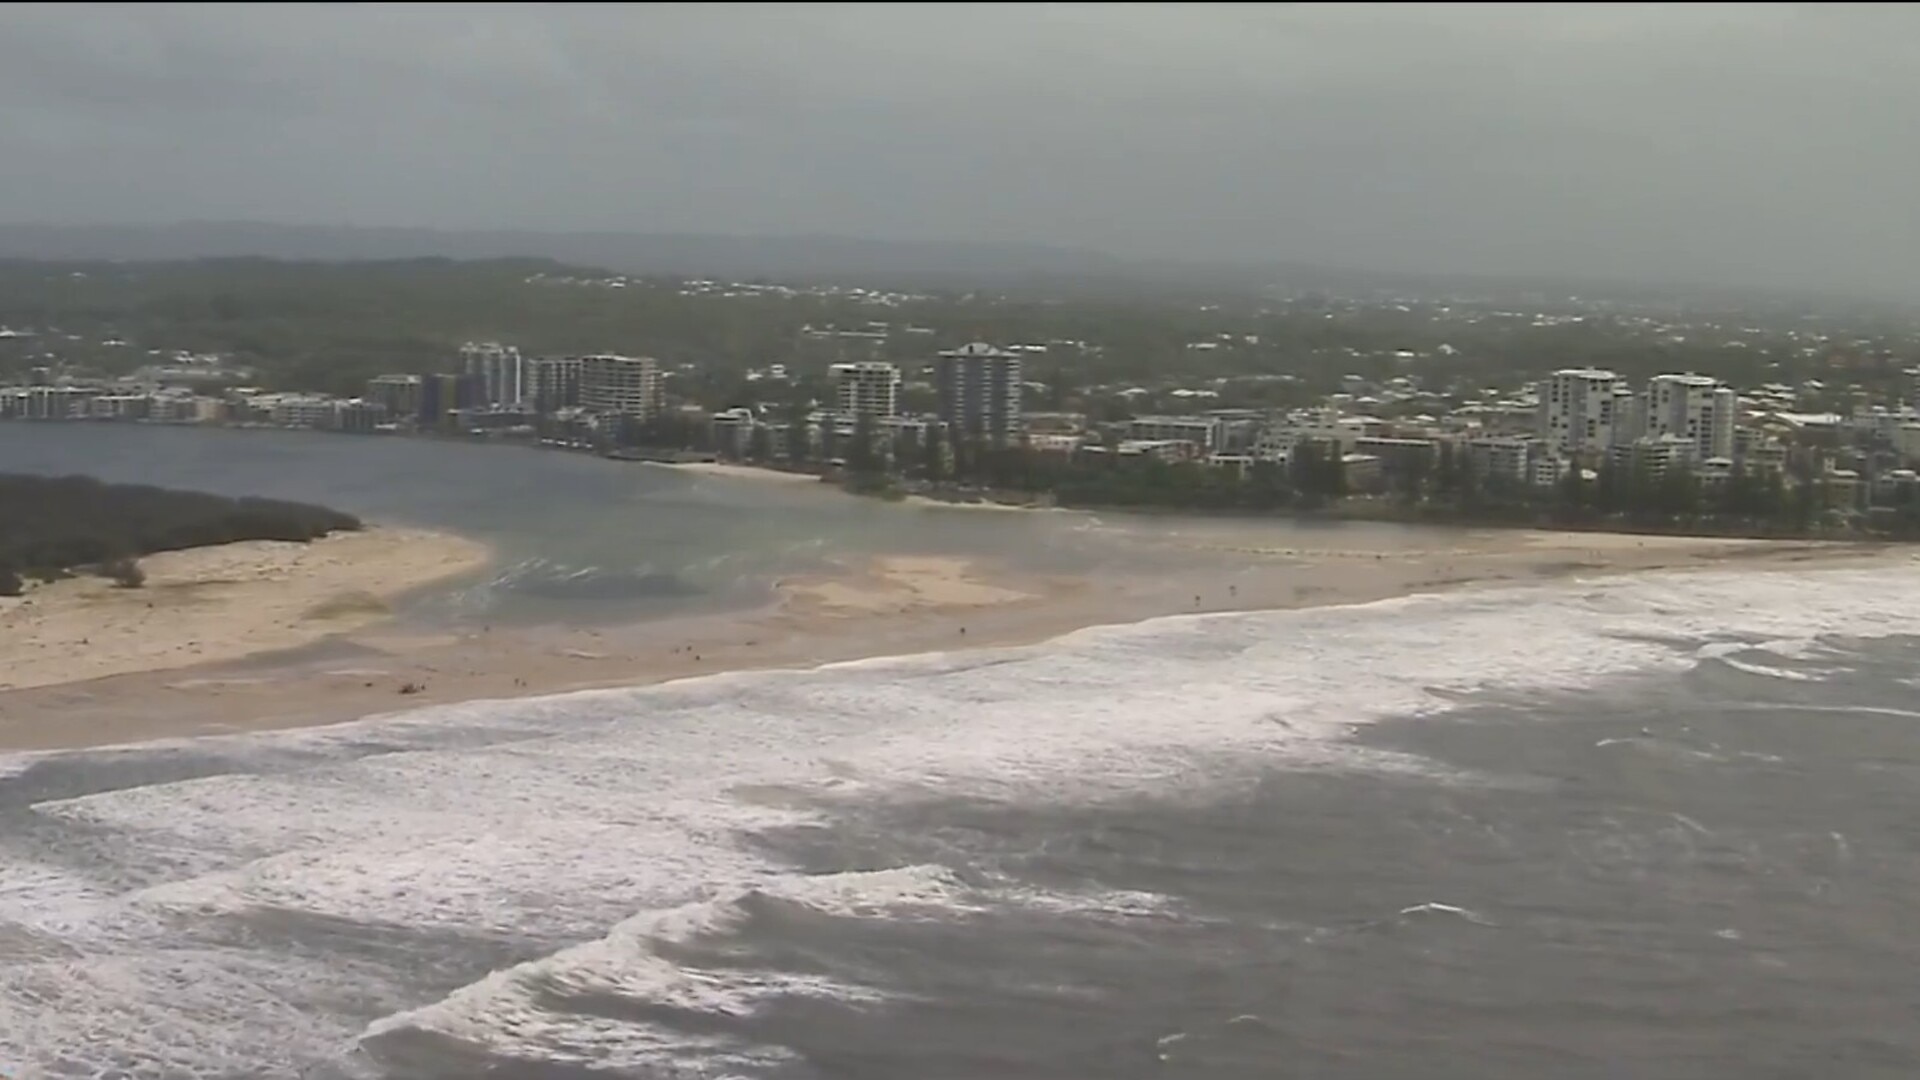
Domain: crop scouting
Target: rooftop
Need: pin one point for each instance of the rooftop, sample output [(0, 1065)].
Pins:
[(980, 348)]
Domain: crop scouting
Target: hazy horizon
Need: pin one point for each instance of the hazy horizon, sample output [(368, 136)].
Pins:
[(1740, 145)]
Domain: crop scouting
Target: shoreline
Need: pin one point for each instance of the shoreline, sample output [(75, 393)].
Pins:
[(1348, 512), (736, 471), (893, 606), (1351, 510), (221, 603)]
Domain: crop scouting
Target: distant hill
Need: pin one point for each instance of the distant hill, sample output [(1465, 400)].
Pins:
[(788, 258), (808, 259)]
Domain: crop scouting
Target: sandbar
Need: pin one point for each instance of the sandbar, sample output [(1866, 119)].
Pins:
[(220, 603), (742, 472)]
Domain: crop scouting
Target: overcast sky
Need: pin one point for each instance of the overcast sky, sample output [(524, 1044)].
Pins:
[(1736, 143)]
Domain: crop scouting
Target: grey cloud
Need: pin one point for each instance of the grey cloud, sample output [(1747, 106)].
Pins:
[(1765, 144)]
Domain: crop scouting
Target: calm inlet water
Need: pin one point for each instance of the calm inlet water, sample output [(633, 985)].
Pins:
[(1654, 827), (579, 537)]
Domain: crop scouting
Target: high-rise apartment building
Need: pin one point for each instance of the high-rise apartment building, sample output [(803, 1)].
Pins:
[(979, 388), (868, 388), (552, 382), (1628, 424), (1578, 410), (443, 393), (622, 385), (1696, 408), (398, 394), (499, 369)]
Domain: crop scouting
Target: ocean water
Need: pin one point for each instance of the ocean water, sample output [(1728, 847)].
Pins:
[(1647, 827)]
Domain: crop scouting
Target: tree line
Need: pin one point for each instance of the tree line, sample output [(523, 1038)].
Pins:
[(1447, 486), (51, 527)]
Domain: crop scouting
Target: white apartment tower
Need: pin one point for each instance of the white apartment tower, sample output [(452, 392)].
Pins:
[(622, 385), (1692, 407), (499, 368), (1577, 410), (869, 388)]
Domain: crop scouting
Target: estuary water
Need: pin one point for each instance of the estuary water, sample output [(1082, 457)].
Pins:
[(578, 537)]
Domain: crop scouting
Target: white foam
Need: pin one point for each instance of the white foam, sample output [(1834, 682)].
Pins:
[(1729, 653), (1122, 903), (1769, 671), (48, 899), (559, 817), (1434, 908), (505, 1015), (164, 1012)]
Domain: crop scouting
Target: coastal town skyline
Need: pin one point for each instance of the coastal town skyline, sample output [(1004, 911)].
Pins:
[(887, 396)]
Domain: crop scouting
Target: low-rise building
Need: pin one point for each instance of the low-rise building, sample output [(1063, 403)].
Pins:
[(208, 410), (120, 407), (1653, 455), (905, 429), (1168, 450), (1202, 431), (1842, 487), (1362, 473), (1502, 458), (1547, 469), (1236, 430), (58, 402), (1714, 472), (1897, 487), (298, 410), (174, 407), (732, 432), (1399, 456), (1320, 425), (1056, 423), (1054, 443)]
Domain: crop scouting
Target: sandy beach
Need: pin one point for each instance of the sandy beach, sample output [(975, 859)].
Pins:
[(743, 472), (96, 666), (220, 603)]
